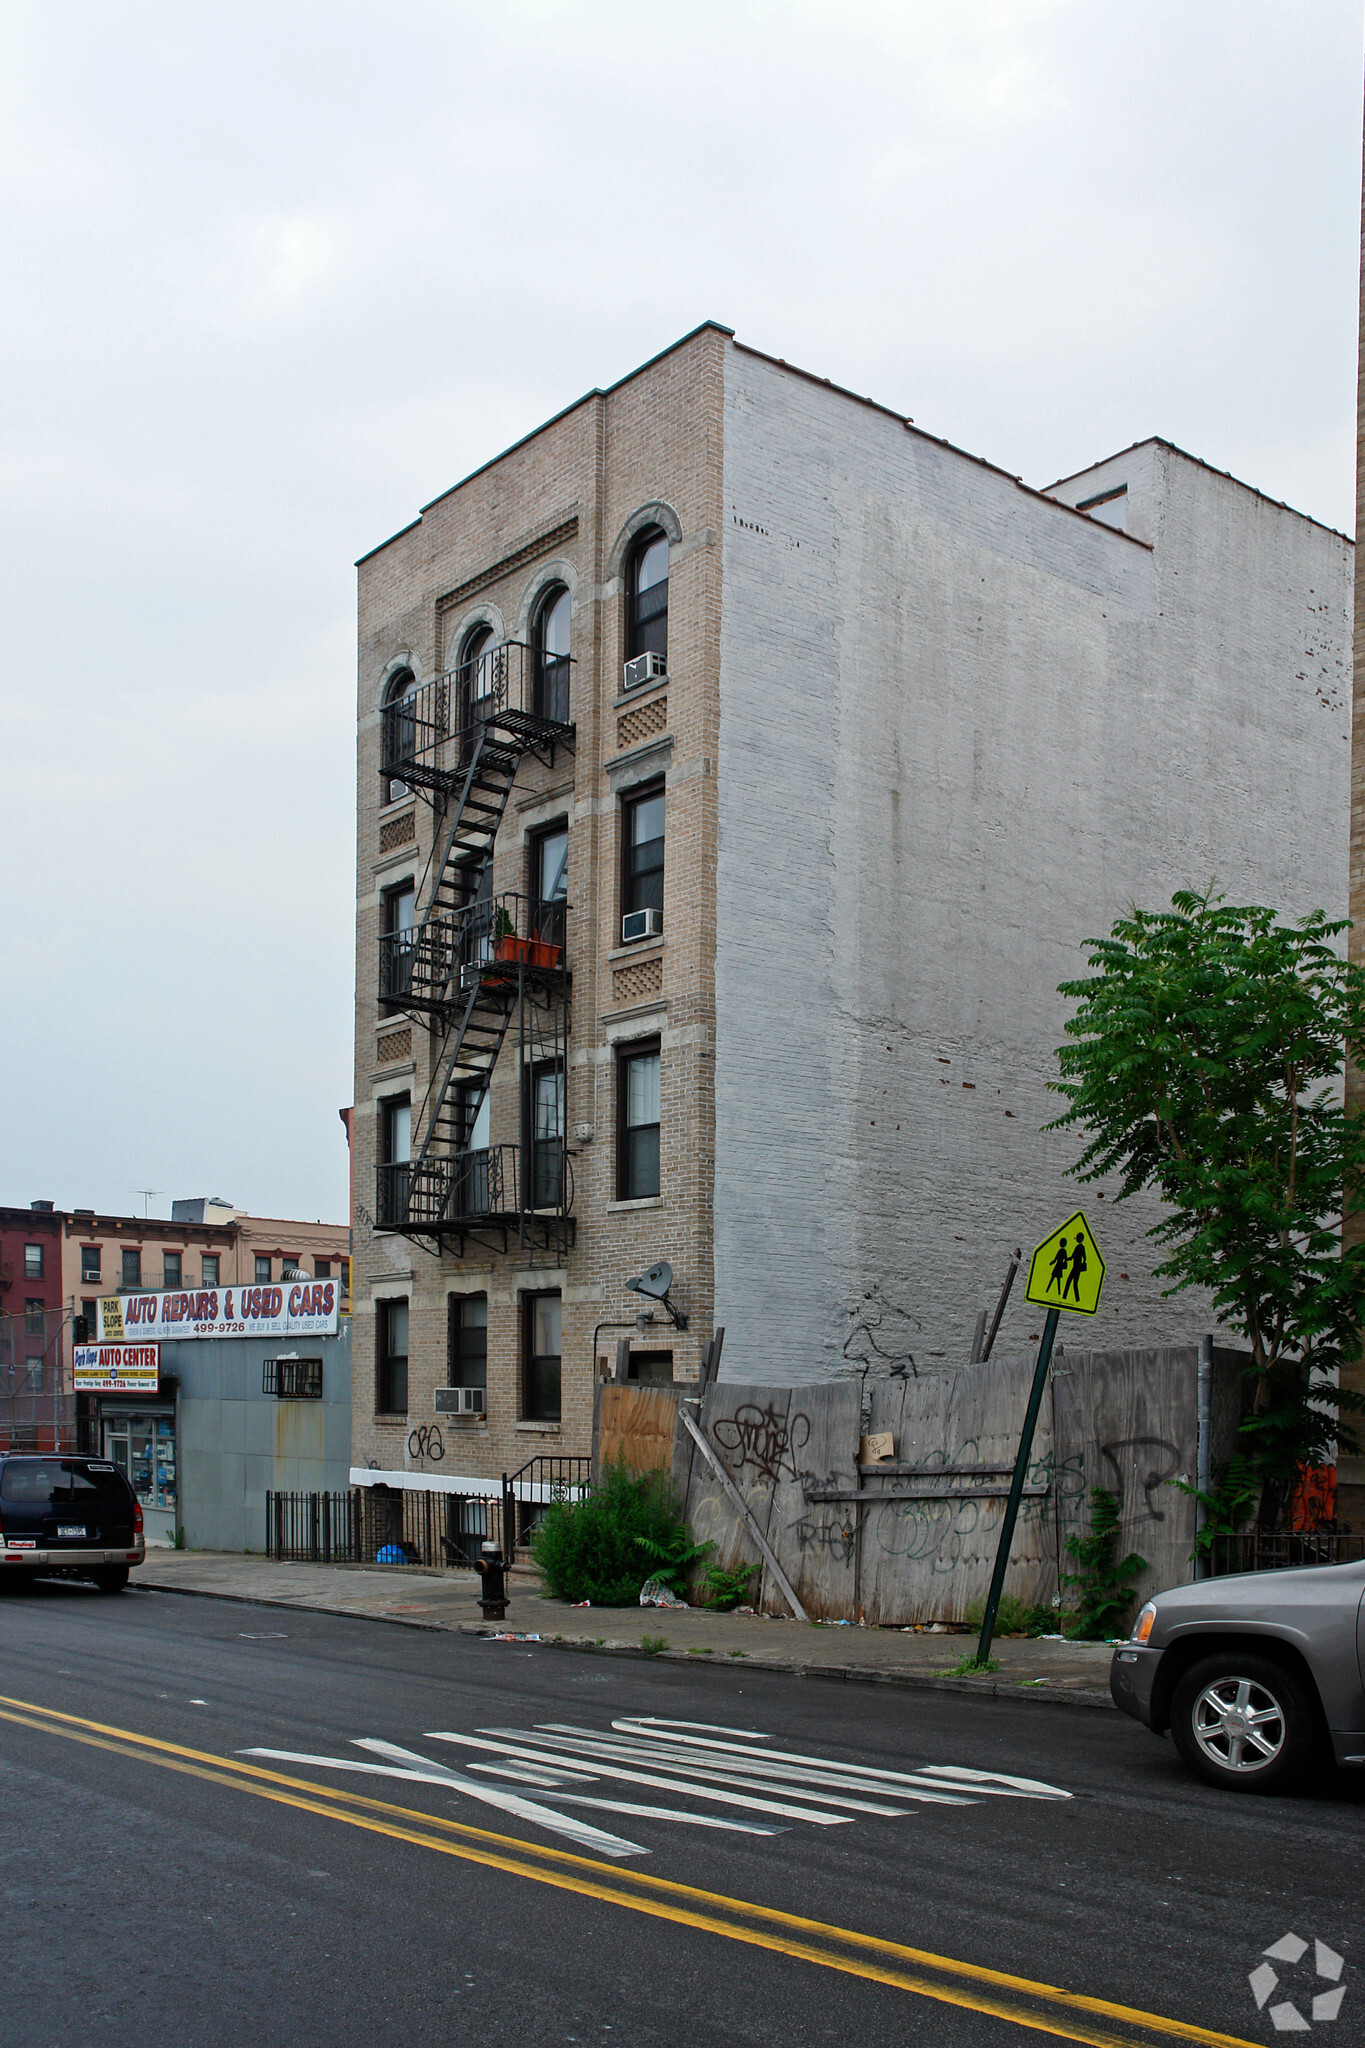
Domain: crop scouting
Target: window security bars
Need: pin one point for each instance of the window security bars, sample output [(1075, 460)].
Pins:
[(292, 1379)]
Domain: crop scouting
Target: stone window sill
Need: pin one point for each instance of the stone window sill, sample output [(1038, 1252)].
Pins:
[(638, 949), (538, 1428), (636, 1202)]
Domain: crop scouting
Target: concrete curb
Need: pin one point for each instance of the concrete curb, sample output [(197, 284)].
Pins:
[(859, 1674), (1019, 1690)]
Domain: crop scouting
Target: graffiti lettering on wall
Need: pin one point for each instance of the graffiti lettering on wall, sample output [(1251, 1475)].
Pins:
[(1154, 1461), (762, 1440), (942, 1533), (426, 1442), (825, 1534), (880, 1336)]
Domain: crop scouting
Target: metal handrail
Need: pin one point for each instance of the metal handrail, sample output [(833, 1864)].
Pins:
[(480, 1185), (510, 686), (482, 941)]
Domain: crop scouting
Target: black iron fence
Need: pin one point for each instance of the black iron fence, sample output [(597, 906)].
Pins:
[(1267, 1550), (527, 1492), (378, 1525), (313, 1528)]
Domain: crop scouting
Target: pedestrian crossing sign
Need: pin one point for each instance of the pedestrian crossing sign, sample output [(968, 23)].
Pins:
[(1067, 1270)]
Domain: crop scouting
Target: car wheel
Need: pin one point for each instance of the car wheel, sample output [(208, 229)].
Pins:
[(112, 1579), (1245, 1723)]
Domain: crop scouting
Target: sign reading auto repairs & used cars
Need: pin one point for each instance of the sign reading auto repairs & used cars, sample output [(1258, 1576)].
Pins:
[(298, 1308), (117, 1368)]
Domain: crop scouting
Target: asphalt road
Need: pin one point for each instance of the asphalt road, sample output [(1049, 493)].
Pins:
[(636, 1854)]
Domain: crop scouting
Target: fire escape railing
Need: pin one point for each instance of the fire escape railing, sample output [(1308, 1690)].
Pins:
[(428, 736), (471, 963)]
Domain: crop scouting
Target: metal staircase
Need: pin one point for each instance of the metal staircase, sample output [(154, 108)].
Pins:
[(473, 963)]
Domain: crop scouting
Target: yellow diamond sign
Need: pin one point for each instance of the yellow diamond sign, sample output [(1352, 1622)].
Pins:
[(1067, 1270)]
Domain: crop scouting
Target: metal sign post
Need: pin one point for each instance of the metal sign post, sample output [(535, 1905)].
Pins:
[(1065, 1272), (1002, 1555)]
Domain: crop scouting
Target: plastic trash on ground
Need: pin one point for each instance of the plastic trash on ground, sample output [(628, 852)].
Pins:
[(654, 1593)]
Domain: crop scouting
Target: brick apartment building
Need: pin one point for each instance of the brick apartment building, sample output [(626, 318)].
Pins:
[(740, 771)]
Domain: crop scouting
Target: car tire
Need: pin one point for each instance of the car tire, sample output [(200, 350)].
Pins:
[(1245, 1723), (112, 1579)]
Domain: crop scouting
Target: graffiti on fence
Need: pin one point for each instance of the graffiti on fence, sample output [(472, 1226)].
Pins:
[(939, 1533), (762, 1440), (826, 1535), (1157, 1461)]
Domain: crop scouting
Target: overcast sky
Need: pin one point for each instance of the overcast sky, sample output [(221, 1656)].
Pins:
[(276, 274)]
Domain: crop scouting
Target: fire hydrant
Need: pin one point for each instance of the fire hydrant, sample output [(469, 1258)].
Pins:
[(493, 1572)]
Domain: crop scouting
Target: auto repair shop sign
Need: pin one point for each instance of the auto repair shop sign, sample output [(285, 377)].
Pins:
[(117, 1368), (297, 1308)]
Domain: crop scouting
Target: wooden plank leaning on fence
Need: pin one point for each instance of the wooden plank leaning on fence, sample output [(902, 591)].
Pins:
[(732, 1494)]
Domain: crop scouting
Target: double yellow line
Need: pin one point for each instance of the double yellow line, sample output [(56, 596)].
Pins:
[(1045, 2008)]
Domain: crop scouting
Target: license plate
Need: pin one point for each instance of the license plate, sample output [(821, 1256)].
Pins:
[(70, 1529)]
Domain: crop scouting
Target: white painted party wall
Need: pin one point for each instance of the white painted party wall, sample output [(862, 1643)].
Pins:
[(962, 730)]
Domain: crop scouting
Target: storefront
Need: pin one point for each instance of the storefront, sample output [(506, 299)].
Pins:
[(126, 1412), (211, 1400)]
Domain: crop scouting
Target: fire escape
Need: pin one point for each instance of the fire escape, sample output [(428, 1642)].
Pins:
[(475, 968)]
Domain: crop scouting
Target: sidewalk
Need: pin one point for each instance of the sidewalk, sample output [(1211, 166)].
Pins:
[(1074, 1672)]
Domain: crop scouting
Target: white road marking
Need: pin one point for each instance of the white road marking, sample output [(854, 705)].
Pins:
[(702, 1761), (419, 1770), (582, 1748), (750, 1768), (981, 1781), (613, 1770)]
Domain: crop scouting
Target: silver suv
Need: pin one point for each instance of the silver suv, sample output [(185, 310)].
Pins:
[(1257, 1677), (76, 1516)]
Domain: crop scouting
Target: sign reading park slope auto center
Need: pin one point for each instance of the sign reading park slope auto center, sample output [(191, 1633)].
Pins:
[(117, 1368), (296, 1308)]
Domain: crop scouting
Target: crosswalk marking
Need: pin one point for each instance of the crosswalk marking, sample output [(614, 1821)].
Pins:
[(708, 1766)]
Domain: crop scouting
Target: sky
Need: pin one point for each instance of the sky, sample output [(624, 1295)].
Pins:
[(275, 275)]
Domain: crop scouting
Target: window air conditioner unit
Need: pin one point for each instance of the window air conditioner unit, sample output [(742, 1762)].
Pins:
[(460, 1400), (640, 924), (645, 668)]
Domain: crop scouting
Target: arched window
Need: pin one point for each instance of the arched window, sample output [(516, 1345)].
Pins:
[(480, 673), (647, 597), (399, 730), (550, 641)]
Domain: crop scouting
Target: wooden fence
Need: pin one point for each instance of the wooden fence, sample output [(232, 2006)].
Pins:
[(913, 1538)]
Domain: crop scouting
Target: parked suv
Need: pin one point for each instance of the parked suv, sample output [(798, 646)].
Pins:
[(75, 1516), (1256, 1677)]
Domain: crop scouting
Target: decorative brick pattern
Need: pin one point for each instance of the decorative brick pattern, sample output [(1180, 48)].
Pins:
[(637, 725), (633, 984), (397, 832), (395, 1045)]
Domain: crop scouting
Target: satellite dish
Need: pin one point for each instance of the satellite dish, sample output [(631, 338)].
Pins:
[(655, 1283)]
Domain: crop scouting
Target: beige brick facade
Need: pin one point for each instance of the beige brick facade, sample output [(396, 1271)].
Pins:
[(559, 508)]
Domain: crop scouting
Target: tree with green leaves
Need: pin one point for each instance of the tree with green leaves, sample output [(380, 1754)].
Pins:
[(1204, 1064)]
